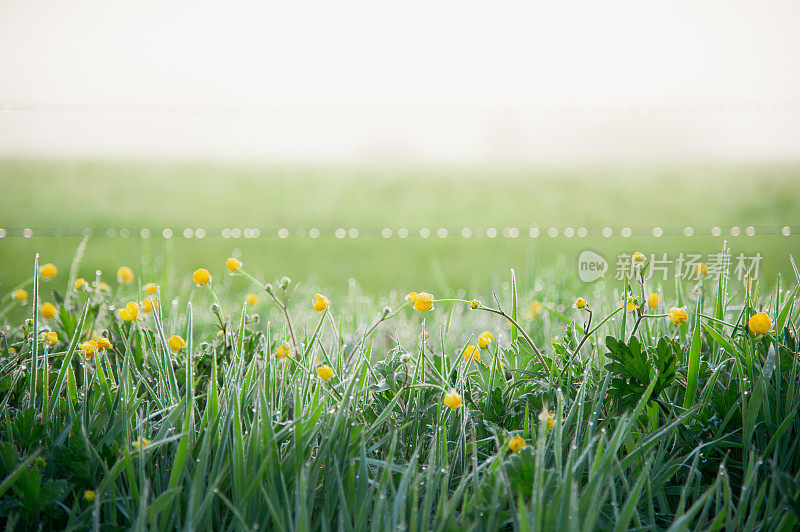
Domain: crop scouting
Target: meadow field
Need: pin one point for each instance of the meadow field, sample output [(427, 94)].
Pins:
[(415, 383)]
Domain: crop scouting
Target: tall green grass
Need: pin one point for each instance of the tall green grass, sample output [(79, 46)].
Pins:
[(656, 426)]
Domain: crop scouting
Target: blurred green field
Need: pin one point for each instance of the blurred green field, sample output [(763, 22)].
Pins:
[(100, 194)]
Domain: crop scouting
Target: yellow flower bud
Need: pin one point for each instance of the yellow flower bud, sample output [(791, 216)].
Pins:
[(759, 323), (176, 343), (80, 283), (320, 302), (150, 289), (125, 275), (516, 444), (48, 271), (701, 269), (423, 301), (51, 338), (47, 311), (141, 443), (325, 372), (251, 299), (653, 300), (580, 303), (148, 305), (103, 342), (130, 312), (638, 258), (453, 400), (283, 351), (233, 264), (471, 353), (20, 296), (89, 495), (201, 276), (89, 348), (474, 304), (485, 340), (547, 417), (678, 315)]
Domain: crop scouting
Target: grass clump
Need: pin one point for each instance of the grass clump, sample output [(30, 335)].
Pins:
[(149, 410)]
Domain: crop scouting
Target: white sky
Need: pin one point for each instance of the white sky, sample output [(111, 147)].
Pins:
[(409, 81)]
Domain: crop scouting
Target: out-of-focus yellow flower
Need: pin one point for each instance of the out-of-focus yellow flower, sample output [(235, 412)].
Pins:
[(678, 315), (80, 283), (130, 312), (125, 275), (471, 353), (233, 264), (176, 343), (653, 300), (103, 342), (201, 276), (638, 258), (517, 443), (631, 305), (485, 339), (535, 310), (423, 301), (325, 372), (47, 311), (580, 303), (141, 443), (547, 417), (425, 334), (453, 400), (474, 304), (148, 305), (759, 323), (251, 299), (150, 289), (51, 338), (48, 271), (20, 296), (104, 287), (701, 269), (89, 495), (89, 348), (320, 302), (283, 351), (411, 297)]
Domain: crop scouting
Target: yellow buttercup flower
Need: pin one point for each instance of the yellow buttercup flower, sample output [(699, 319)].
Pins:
[(176, 343), (411, 297), (104, 287), (150, 289), (759, 323), (485, 339), (103, 342), (517, 443), (47, 311), (701, 269), (141, 443), (580, 303), (130, 312), (423, 301), (535, 310), (653, 300), (201, 276), (547, 417), (325, 372), (20, 296), (283, 351), (51, 338), (233, 264), (89, 495), (638, 258), (474, 304), (678, 315), (89, 348), (631, 304), (453, 400), (471, 353), (148, 305), (251, 299), (320, 302), (125, 275), (80, 283), (48, 271)]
